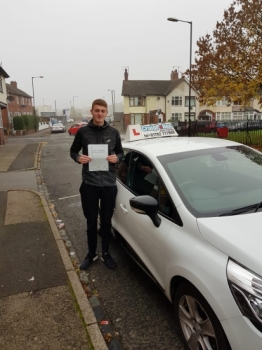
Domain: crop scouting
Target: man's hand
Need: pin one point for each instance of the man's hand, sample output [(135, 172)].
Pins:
[(83, 159), (112, 158)]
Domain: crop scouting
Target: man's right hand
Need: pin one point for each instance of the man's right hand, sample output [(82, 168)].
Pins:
[(83, 159)]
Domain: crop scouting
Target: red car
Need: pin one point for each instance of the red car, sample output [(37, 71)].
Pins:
[(73, 129)]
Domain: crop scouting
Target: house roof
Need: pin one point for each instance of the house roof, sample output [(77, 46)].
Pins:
[(3, 73), (16, 91), (148, 87)]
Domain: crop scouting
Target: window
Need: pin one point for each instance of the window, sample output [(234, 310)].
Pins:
[(249, 115), (176, 101), (17, 99), (1, 86), (136, 118), (237, 115), (177, 116), (136, 101), (138, 173), (192, 101), (192, 115), (223, 115), (222, 102)]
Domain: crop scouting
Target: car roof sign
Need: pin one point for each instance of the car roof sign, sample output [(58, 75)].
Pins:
[(149, 131)]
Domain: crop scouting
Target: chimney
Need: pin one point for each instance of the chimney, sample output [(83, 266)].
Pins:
[(13, 84), (174, 75), (126, 75)]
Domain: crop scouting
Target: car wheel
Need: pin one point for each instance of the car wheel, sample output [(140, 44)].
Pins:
[(69, 133), (198, 323)]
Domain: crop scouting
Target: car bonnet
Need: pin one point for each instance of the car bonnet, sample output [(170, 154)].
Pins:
[(238, 236)]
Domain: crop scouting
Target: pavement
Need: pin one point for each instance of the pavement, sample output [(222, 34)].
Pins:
[(44, 298)]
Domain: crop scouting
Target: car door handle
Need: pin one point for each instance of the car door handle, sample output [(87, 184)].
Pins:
[(122, 206)]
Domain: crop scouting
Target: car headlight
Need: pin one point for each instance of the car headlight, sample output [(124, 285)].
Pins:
[(246, 288)]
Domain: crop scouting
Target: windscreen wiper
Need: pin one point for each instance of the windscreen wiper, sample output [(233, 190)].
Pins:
[(243, 210)]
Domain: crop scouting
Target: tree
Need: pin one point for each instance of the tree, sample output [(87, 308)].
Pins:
[(229, 64)]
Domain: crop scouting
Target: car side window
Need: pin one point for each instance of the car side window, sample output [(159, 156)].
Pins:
[(141, 175), (166, 205), (138, 173), (122, 167)]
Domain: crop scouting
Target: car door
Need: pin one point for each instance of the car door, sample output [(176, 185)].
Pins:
[(147, 240)]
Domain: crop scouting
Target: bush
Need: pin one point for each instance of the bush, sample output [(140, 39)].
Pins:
[(18, 123), (30, 121)]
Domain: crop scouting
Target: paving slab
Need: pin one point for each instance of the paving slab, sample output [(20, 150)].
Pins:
[(26, 158), (29, 257), (42, 320)]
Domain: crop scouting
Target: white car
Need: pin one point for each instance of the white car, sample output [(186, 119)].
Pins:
[(70, 120), (189, 211), (58, 127)]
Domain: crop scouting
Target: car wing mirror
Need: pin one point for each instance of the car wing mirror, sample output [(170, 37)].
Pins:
[(146, 205)]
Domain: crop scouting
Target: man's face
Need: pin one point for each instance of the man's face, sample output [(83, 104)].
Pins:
[(99, 114)]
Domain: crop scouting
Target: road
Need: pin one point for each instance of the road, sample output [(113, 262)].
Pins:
[(139, 312)]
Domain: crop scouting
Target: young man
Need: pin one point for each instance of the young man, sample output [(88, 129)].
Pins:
[(98, 179)]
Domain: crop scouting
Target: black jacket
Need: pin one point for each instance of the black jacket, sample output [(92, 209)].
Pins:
[(92, 134)]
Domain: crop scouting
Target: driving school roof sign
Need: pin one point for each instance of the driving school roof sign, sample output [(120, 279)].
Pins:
[(142, 132)]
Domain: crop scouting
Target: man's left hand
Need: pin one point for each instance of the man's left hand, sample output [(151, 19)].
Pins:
[(112, 158)]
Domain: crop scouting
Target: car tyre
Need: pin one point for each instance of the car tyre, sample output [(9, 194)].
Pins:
[(198, 324)]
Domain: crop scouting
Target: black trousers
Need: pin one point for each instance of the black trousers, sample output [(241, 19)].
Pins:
[(90, 196)]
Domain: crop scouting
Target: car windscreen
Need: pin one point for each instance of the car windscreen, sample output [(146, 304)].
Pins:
[(212, 182)]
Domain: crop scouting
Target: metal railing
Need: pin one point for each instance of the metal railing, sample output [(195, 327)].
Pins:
[(248, 132)]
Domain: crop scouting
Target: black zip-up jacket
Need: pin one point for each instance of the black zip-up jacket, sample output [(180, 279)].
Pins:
[(93, 134)]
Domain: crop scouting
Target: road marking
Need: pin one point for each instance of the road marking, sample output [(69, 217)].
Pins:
[(76, 195)]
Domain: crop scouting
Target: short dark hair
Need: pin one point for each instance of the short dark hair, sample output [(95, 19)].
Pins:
[(99, 102)]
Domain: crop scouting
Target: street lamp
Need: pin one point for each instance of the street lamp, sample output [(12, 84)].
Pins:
[(113, 103), (172, 19), (74, 107), (34, 97)]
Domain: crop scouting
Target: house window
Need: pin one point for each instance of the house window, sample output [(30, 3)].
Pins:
[(192, 116), (136, 118), (177, 116), (222, 102), (176, 101), (223, 115), (136, 101), (238, 115), (192, 101), (1, 85), (17, 100), (249, 115)]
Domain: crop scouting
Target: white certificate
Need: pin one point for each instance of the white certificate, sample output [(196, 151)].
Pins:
[(98, 154)]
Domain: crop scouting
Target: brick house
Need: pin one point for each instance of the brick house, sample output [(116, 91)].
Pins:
[(153, 101), (19, 102), (3, 105)]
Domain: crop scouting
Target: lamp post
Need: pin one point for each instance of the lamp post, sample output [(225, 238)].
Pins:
[(34, 97), (74, 107), (172, 19), (113, 104)]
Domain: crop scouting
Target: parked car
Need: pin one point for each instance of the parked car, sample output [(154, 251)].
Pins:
[(74, 128), (197, 126), (193, 223), (58, 127), (70, 120)]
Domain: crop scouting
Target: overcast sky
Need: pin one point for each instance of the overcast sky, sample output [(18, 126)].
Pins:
[(81, 47)]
